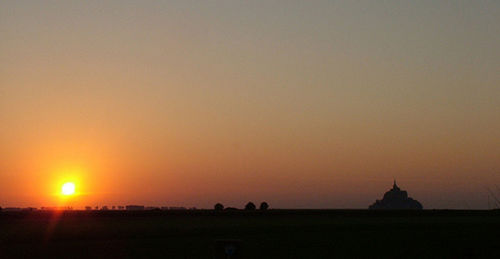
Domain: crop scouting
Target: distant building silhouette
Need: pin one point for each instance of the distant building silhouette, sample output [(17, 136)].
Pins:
[(57, 208), (177, 208), (12, 209), (134, 207), (16, 209), (396, 199)]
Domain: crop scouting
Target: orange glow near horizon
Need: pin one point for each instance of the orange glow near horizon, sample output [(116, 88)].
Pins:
[(171, 103), (68, 182)]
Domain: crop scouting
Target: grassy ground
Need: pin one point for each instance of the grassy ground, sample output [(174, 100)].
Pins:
[(273, 234)]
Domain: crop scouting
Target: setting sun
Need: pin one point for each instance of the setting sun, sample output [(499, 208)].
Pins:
[(68, 188)]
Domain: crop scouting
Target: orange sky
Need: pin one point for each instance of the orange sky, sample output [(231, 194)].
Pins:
[(307, 105)]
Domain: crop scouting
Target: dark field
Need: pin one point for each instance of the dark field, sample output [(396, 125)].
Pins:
[(272, 234)]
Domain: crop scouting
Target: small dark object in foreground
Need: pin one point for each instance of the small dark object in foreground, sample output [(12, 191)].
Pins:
[(228, 248)]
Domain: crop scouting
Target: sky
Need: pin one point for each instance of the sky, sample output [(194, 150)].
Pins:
[(303, 104)]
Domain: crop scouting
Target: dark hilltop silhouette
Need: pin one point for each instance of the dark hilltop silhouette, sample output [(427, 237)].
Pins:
[(396, 199)]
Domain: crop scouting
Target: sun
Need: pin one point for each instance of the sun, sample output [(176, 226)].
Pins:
[(68, 189)]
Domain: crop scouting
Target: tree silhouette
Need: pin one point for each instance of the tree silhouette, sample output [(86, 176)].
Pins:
[(218, 206), (250, 206), (264, 206)]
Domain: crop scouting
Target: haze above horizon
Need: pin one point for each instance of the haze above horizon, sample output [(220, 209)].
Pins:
[(303, 104)]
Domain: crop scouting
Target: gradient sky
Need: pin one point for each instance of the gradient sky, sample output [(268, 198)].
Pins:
[(303, 104)]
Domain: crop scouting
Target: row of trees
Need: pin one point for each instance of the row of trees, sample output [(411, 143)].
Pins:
[(249, 206)]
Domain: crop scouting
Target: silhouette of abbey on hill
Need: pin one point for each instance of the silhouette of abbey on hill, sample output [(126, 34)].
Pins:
[(396, 199)]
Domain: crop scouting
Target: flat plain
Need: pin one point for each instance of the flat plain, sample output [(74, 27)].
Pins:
[(256, 234)]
